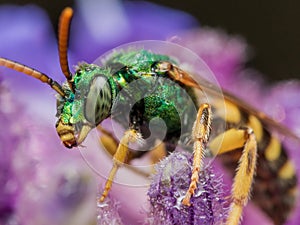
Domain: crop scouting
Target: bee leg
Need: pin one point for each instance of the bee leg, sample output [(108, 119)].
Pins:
[(110, 143), (158, 153), (200, 135), (107, 139), (243, 179), (233, 139), (119, 158)]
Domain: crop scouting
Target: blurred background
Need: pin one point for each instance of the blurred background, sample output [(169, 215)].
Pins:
[(271, 28)]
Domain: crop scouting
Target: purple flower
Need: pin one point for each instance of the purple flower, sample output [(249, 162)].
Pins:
[(107, 212), (169, 186)]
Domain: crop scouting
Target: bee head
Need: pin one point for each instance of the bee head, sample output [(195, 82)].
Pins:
[(85, 107)]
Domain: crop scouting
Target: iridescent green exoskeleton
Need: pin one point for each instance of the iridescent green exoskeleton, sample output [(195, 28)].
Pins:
[(97, 89), (138, 86)]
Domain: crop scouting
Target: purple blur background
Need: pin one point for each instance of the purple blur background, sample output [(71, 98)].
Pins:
[(36, 170)]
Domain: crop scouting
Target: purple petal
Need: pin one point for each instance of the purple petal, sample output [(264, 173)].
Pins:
[(107, 213), (169, 186)]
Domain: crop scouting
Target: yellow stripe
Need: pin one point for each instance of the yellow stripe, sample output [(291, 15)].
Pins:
[(228, 111), (273, 150), (256, 126), (227, 141), (287, 171)]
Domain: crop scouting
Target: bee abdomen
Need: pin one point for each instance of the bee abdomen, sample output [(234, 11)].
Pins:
[(275, 185)]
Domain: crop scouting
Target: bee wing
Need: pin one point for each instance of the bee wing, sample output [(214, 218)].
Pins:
[(212, 90)]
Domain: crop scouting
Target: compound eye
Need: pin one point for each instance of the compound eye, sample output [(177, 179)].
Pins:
[(98, 101)]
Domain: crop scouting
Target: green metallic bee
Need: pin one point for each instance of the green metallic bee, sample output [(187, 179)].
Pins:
[(165, 90)]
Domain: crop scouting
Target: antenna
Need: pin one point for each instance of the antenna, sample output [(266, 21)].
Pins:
[(33, 73), (63, 41)]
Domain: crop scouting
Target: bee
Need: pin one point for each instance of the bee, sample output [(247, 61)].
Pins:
[(163, 89)]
